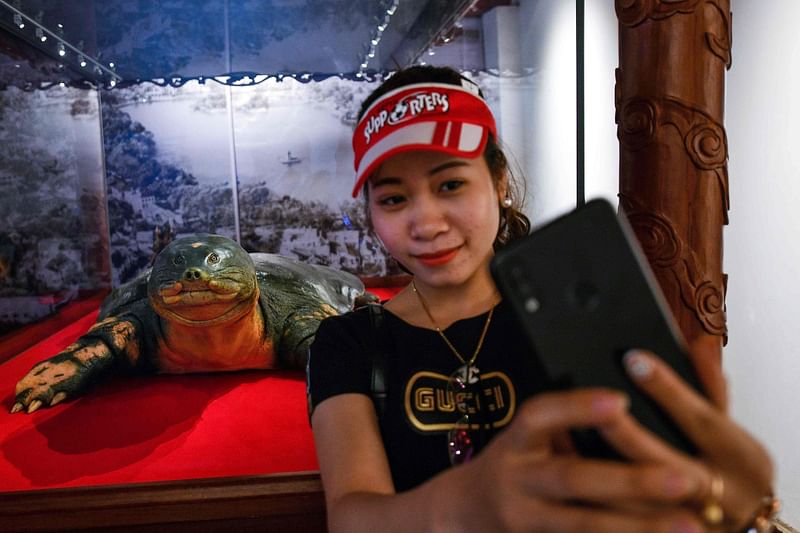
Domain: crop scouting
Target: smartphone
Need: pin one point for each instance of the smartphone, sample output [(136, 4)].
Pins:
[(583, 292)]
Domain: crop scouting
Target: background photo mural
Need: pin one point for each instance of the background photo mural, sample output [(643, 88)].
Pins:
[(93, 185), (54, 231), (270, 163)]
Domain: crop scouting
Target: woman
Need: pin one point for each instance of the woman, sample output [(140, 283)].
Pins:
[(441, 199)]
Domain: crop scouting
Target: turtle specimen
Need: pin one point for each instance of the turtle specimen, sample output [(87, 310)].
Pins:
[(206, 305)]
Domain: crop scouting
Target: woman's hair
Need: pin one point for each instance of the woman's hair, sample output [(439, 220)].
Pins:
[(513, 222)]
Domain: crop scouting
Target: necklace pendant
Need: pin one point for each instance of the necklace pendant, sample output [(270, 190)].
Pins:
[(467, 374)]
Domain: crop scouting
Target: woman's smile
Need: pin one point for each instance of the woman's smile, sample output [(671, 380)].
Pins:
[(437, 258)]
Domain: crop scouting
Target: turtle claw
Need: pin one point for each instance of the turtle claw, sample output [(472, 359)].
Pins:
[(34, 405), (58, 398), (17, 408)]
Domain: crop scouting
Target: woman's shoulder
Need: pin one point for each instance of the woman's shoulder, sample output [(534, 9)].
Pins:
[(351, 323)]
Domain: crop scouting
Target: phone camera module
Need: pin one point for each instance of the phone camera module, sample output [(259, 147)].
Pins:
[(584, 295)]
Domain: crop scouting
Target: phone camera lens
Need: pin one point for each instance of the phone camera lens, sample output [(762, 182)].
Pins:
[(585, 295), (532, 305), (520, 277)]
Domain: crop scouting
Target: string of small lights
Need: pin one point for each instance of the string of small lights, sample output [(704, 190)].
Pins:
[(375, 39), (32, 29), (53, 43)]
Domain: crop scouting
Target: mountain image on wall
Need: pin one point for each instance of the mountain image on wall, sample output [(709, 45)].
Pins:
[(169, 162), (53, 239)]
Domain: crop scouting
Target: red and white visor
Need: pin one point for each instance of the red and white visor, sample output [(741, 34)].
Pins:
[(425, 116)]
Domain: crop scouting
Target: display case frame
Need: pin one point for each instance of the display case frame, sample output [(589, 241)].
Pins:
[(282, 502)]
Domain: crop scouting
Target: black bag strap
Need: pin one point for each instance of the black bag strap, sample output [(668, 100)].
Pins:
[(379, 347), (379, 344)]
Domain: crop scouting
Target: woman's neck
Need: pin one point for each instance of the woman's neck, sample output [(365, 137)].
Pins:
[(445, 304)]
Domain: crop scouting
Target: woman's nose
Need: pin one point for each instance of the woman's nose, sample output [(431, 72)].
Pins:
[(428, 219)]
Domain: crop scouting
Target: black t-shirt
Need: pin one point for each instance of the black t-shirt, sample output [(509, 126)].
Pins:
[(419, 407)]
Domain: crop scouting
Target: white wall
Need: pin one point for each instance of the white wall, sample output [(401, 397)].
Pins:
[(538, 120), (761, 251), (601, 57), (548, 44), (542, 135)]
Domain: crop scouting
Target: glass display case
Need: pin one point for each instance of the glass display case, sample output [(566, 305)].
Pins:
[(126, 124)]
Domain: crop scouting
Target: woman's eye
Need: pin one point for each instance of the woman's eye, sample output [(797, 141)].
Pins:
[(451, 185), (391, 200)]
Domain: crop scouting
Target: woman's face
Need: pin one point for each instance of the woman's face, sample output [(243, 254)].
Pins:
[(436, 214)]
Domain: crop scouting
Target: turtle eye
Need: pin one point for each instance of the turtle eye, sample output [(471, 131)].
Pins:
[(178, 260), (213, 258)]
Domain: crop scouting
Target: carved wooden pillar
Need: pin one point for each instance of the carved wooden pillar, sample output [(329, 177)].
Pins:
[(673, 149)]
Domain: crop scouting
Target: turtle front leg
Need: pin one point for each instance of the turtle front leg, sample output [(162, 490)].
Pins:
[(301, 327), (66, 374)]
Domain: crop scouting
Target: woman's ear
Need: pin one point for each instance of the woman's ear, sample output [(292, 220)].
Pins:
[(502, 188)]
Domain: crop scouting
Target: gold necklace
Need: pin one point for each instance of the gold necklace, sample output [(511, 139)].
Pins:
[(467, 365)]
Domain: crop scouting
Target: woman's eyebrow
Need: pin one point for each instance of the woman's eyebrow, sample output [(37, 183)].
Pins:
[(387, 180), (445, 166), (392, 180)]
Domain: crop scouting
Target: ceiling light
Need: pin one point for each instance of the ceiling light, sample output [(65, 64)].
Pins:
[(40, 34), (18, 20), (61, 50)]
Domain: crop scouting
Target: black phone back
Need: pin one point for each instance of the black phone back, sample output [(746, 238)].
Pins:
[(584, 294)]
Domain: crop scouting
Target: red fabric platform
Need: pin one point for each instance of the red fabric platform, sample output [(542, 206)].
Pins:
[(153, 428)]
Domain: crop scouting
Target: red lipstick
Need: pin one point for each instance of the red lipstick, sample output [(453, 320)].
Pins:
[(439, 258)]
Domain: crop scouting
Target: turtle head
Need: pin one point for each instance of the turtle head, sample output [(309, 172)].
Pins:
[(202, 280)]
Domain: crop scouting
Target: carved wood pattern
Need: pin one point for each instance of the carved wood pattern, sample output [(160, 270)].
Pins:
[(634, 12), (705, 140), (666, 250), (721, 45), (669, 100)]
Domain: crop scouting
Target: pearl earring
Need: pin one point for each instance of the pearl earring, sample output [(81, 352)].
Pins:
[(506, 202)]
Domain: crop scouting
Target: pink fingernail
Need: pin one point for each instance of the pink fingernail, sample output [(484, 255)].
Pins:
[(678, 485), (605, 404), (684, 526), (638, 365)]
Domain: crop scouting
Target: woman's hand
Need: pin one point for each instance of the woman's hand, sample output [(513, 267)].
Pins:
[(520, 482), (741, 464)]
